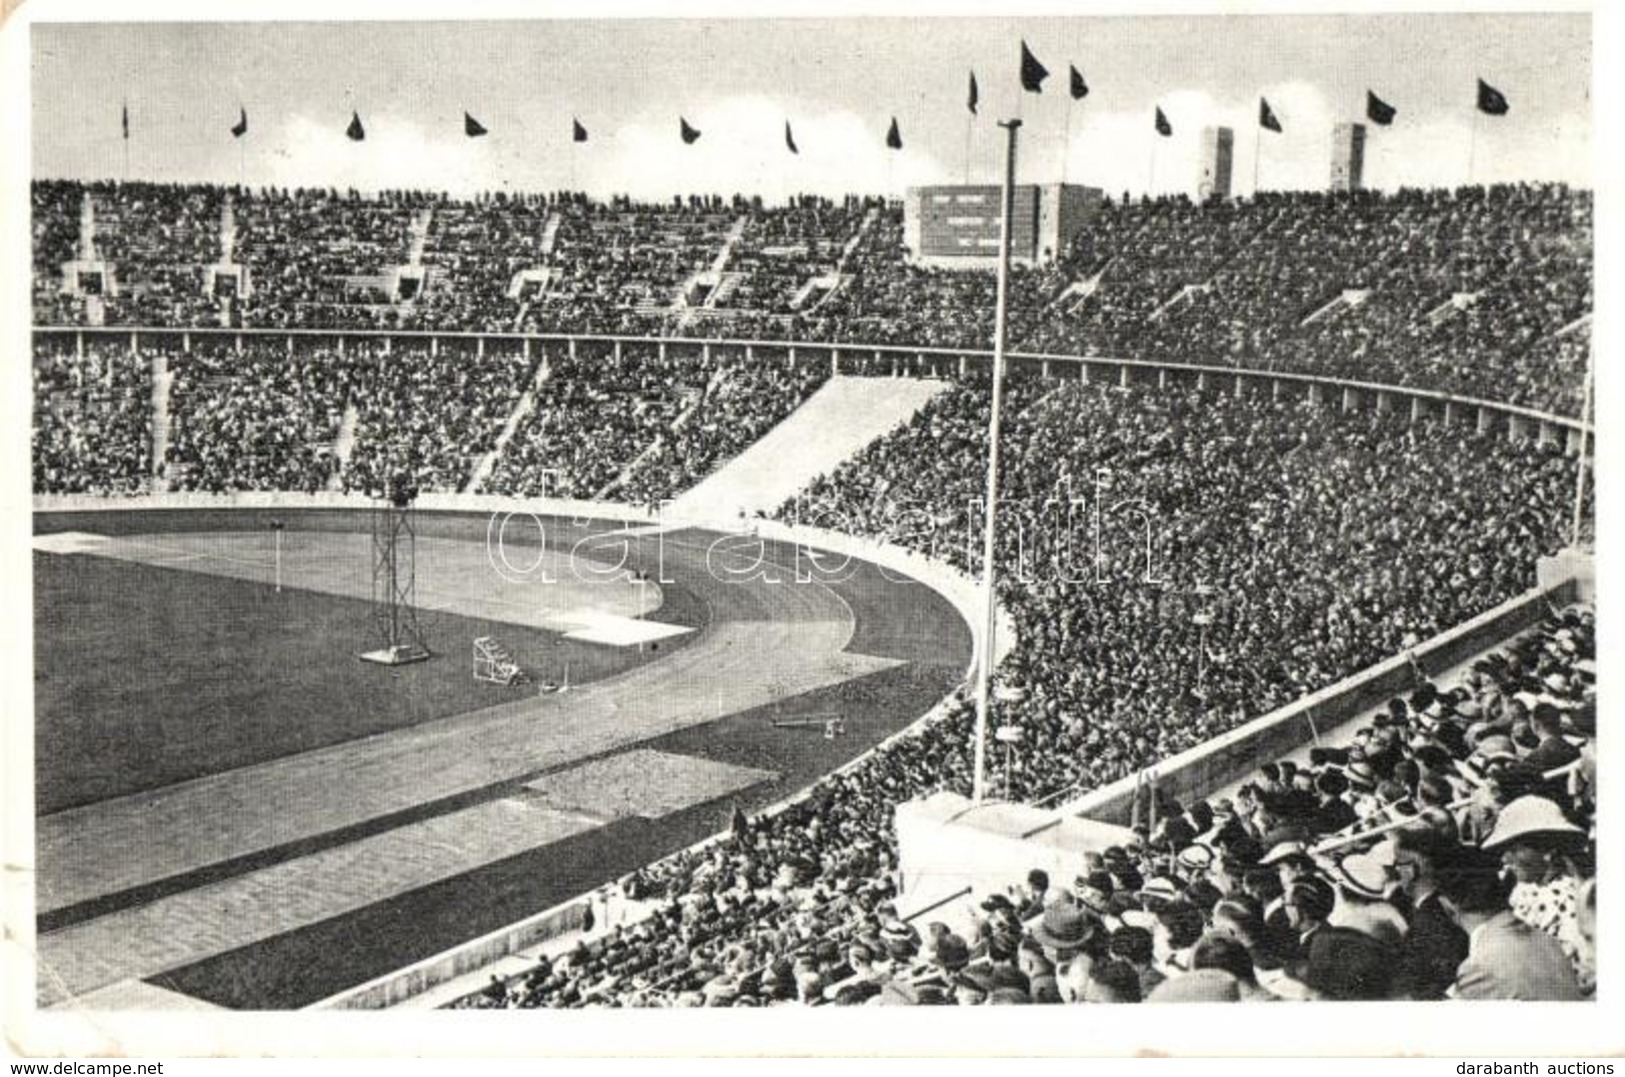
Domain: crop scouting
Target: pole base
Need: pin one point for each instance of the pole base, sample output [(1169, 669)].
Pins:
[(399, 655)]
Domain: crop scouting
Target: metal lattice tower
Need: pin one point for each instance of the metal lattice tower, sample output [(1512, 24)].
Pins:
[(394, 572)]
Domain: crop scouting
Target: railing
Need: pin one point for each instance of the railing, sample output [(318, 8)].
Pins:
[(1354, 392)]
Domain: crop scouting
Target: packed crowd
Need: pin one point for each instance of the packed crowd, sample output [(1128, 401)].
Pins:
[(1290, 546), (259, 419), (1446, 851), (431, 413), (1479, 290), (1463, 291), (92, 419), (742, 402), (640, 428)]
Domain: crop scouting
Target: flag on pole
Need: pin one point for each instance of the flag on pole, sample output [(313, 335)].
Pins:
[(1164, 128), (579, 133), (1033, 73), (124, 120), (970, 101), (894, 137), (355, 132), (473, 128), (1491, 101), (789, 138), (240, 128), (690, 135), (1266, 117), (1080, 88), (1379, 111)]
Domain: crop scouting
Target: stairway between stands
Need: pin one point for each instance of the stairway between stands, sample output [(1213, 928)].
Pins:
[(833, 424)]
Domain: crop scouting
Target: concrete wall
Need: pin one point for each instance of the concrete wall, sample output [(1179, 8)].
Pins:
[(396, 987), (950, 848)]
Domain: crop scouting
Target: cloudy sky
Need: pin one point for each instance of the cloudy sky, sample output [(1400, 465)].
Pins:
[(838, 81)]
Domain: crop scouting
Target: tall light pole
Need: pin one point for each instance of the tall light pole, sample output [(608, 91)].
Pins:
[(984, 669), (276, 531), (1580, 457)]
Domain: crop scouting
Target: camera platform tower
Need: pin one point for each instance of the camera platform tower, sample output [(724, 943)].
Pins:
[(394, 555)]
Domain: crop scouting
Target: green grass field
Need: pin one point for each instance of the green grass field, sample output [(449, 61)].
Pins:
[(147, 676)]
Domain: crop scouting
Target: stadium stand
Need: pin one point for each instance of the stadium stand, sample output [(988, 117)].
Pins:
[(1478, 290)]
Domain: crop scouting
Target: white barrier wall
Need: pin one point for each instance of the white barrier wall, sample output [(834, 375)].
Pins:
[(955, 852)]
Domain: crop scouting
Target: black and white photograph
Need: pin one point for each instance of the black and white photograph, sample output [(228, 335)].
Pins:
[(531, 517)]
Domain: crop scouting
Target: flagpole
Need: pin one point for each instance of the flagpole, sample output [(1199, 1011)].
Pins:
[(1472, 146), (1151, 179), (1066, 140), (1580, 459), (1258, 145), (970, 120), (984, 668)]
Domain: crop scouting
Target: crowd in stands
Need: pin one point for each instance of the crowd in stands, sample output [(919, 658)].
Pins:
[(258, 419), (92, 419), (742, 402), (1479, 291), (1463, 291), (1447, 851), (432, 413), (595, 415)]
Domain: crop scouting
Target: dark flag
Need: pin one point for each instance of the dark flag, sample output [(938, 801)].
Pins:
[(240, 128), (1492, 101), (1033, 73), (355, 132), (579, 133), (1266, 117), (789, 138), (894, 137), (472, 128), (1080, 88), (974, 97), (1379, 111), (124, 121), (690, 134), (1164, 128)]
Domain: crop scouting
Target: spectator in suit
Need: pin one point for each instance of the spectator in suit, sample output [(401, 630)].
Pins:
[(1506, 958)]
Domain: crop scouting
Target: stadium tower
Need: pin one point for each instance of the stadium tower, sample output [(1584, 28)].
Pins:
[(394, 577)]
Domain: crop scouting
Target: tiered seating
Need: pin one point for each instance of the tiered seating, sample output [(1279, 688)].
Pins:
[(259, 420), (305, 247), (594, 418), (92, 420), (475, 248), (158, 237), (1463, 291)]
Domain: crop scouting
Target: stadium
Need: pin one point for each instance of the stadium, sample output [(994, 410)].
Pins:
[(542, 599)]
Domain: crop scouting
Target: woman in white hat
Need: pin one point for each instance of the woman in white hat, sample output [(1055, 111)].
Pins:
[(1543, 851)]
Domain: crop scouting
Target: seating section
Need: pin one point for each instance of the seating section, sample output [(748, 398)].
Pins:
[(256, 420), (92, 420), (1475, 291)]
